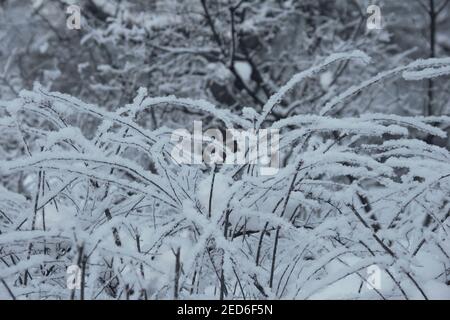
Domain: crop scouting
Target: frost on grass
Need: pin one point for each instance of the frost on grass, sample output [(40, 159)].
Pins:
[(351, 193)]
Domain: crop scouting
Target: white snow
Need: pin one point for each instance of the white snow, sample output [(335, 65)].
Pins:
[(243, 69)]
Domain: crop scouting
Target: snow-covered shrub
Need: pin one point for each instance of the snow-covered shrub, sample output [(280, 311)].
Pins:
[(351, 194)]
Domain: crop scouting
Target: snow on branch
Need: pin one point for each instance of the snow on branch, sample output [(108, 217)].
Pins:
[(350, 193)]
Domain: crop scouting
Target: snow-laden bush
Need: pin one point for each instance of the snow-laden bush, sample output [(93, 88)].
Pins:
[(351, 195)]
